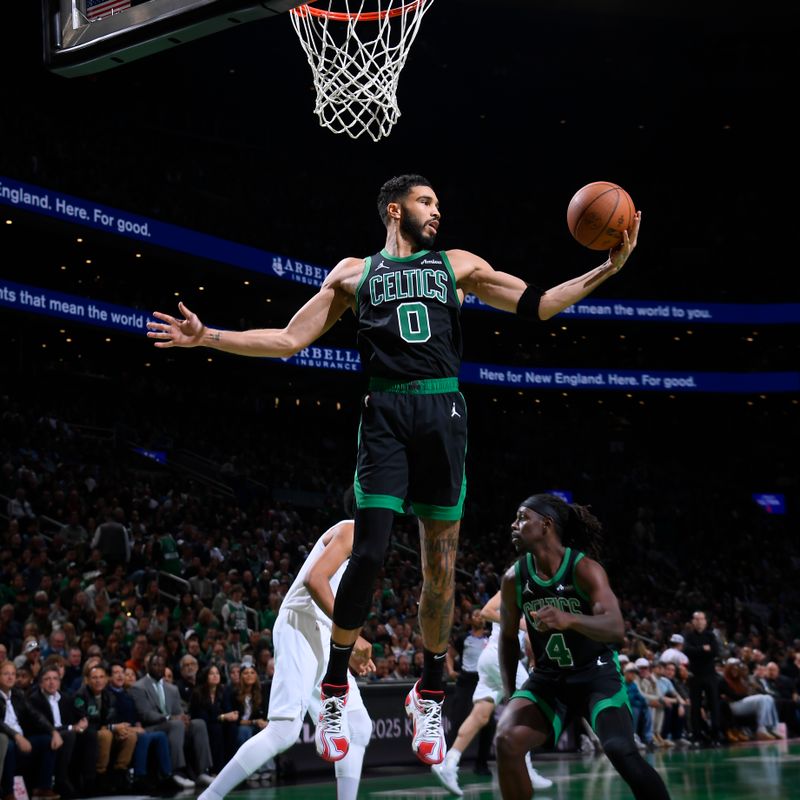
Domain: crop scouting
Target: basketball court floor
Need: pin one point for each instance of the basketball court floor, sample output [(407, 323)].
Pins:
[(757, 771)]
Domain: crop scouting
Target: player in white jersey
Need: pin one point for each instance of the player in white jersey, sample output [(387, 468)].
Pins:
[(301, 636), (487, 695)]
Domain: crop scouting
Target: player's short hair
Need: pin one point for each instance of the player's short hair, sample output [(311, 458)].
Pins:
[(396, 189)]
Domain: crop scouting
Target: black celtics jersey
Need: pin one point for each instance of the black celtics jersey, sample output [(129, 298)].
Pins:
[(408, 311), (557, 650)]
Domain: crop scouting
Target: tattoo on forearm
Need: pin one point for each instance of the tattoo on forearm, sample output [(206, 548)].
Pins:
[(214, 336)]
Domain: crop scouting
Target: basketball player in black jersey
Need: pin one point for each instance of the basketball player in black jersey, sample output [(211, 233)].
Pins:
[(412, 443), (574, 624)]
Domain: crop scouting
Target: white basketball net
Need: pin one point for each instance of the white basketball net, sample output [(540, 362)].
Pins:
[(356, 50)]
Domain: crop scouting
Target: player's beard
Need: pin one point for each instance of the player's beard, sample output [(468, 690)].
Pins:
[(416, 232)]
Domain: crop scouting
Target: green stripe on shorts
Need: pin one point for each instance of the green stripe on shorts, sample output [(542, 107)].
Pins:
[(443, 512), (551, 715), (376, 500)]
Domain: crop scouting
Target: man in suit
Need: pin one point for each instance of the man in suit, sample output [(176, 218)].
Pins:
[(32, 741), (97, 702), (80, 747), (158, 706)]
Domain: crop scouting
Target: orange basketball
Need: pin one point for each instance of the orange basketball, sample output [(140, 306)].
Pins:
[(598, 214)]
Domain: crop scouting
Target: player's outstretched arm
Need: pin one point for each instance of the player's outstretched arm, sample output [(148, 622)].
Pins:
[(308, 324), (555, 300), (509, 632), (504, 291)]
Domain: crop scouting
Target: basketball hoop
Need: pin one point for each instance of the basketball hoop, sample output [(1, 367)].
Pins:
[(356, 55)]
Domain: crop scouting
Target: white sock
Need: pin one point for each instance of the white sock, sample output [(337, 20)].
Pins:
[(453, 758), (528, 762)]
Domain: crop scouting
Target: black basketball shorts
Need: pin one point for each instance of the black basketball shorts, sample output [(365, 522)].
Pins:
[(412, 446)]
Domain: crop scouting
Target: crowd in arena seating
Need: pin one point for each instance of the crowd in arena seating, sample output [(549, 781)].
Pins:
[(137, 603)]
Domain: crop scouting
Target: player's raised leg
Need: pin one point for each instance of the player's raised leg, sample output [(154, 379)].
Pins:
[(438, 546)]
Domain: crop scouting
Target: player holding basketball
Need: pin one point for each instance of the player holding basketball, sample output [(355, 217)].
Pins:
[(413, 433), (301, 635), (574, 621), (487, 694)]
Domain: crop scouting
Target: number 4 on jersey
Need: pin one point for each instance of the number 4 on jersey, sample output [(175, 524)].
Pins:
[(558, 651)]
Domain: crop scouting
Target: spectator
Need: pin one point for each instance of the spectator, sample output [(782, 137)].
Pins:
[(112, 540), (744, 702), (648, 686), (32, 741), (206, 704), (640, 708), (73, 533), (146, 741), (234, 614), (73, 671), (702, 649), (672, 707), (249, 701), (674, 654), (403, 670), (678, 726), (56, 643), (78, 754), (187, 680), (787, 698), (19, 507), (30, 656), (114, 737), (158, 706), (138, 653)]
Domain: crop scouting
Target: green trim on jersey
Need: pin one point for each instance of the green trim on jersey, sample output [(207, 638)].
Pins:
[(559, 574), (421, 386), (367, 265), (518, 579), (400, 260), (449, 266), (575, 579), (551, 715), (443, 512), (376, 500)]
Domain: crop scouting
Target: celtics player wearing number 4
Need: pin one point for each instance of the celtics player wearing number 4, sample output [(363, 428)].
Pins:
[(574, 623), (413, 435)]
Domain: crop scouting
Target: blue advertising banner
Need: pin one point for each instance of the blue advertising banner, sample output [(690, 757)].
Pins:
[(771, 502), (94, 312), (30, 198)]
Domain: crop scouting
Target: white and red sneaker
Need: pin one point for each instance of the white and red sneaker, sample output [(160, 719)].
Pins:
[(332, 736), (426, 711)]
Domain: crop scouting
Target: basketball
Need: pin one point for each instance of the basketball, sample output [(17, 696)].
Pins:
[(598, 214)]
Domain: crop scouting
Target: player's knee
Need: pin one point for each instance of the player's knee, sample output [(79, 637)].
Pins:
[(360, 727), (508, 743), (618, 748)]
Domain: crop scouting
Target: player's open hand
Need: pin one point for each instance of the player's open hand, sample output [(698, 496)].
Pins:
[(619, 254), (172, 332)]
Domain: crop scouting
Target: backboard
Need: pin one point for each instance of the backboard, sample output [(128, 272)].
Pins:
[(82, 37)]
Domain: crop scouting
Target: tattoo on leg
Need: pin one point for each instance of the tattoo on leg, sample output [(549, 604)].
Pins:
[(438, 591)]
